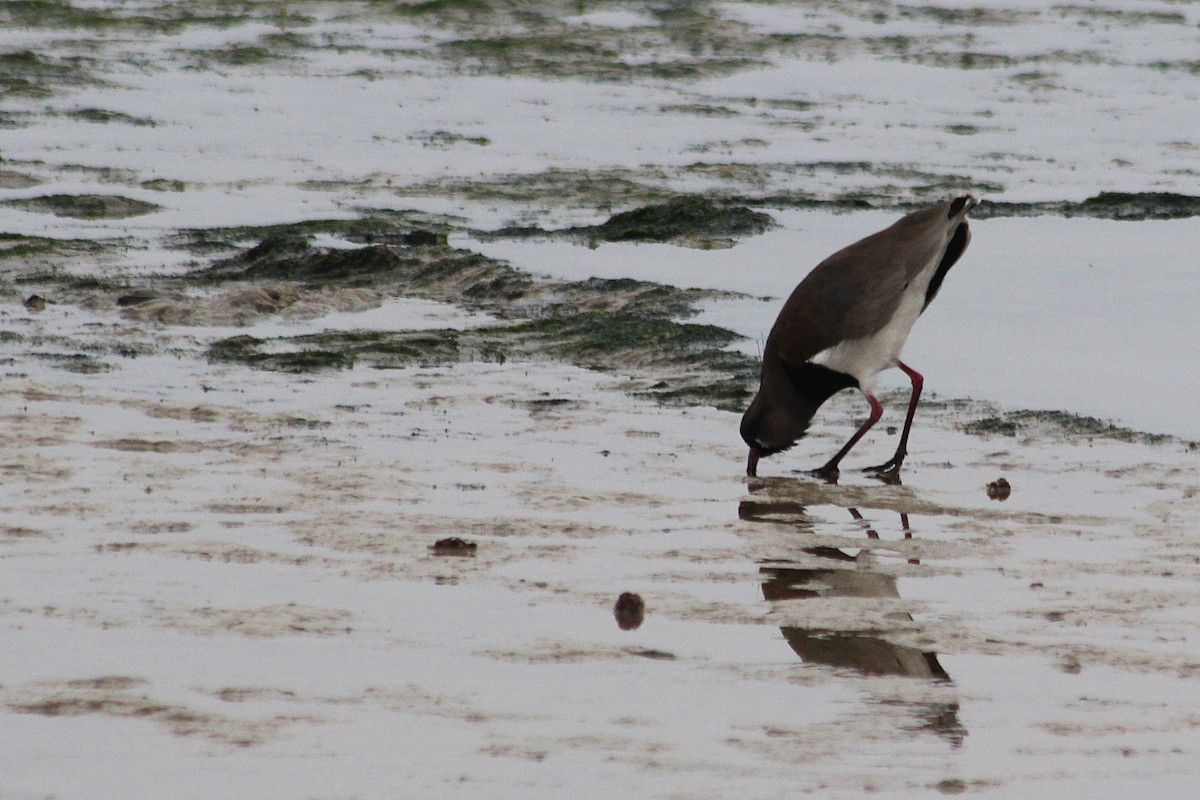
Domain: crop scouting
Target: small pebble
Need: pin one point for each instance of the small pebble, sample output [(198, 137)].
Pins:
[(999, 489), (453, 546), (35, 302), (629, 611)]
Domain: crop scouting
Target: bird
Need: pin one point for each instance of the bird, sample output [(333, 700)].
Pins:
[(846, 322)]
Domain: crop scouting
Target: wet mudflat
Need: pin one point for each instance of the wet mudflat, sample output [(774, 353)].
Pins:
[(242, 578), (343, 417)]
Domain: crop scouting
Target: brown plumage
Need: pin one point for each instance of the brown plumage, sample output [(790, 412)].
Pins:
[(846, 322)]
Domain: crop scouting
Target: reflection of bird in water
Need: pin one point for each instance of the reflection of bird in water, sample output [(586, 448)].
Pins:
[(868, 654), (845, 576)]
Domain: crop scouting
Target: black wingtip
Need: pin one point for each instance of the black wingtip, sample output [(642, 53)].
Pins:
[(967, 201)]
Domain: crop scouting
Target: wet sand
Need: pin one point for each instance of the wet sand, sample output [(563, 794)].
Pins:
[(230, 573)]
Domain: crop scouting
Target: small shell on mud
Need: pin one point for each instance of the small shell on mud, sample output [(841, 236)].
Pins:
[(453, 546), (630, 610), (999, 489)]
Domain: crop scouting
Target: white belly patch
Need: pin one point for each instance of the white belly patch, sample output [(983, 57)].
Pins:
[(865, 358)]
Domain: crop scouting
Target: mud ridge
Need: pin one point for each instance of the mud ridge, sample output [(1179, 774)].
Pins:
[(620, 325), (688, 219)]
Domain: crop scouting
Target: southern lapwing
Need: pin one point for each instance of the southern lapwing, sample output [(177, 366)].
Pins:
[(845, 323)]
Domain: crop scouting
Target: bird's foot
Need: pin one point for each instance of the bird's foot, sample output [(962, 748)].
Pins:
[(888, 472), (828, 473)]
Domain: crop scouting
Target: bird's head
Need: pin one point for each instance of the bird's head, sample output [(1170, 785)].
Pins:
[(771, 427), (788, 398)]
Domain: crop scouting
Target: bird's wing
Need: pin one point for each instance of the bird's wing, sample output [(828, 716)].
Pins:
[(856, 291)]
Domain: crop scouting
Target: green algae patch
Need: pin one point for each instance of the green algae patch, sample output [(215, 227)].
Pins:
[(85, 206), (443, 139), (63, 14), (427, 268), (387, 228), (882, 185), (249, 350), (1059, 423), (1130, 206), (992, 426), (162, 17), (624, 326), (1093, 12), (646, 192), (622, 342), (607, 340), (242, 55), (421, 264), (28, 74), (51, 14), (444, 8), (16, 246), (102, 116), (683, 220), (285, 257), (340, 350), (78, 363), (1141, 205), (52, 266), (684, 217), (555, 187), (163, 185), (557, 53)]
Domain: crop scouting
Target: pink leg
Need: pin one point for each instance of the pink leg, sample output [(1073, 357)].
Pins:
[(830, 471), (892, 467)]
